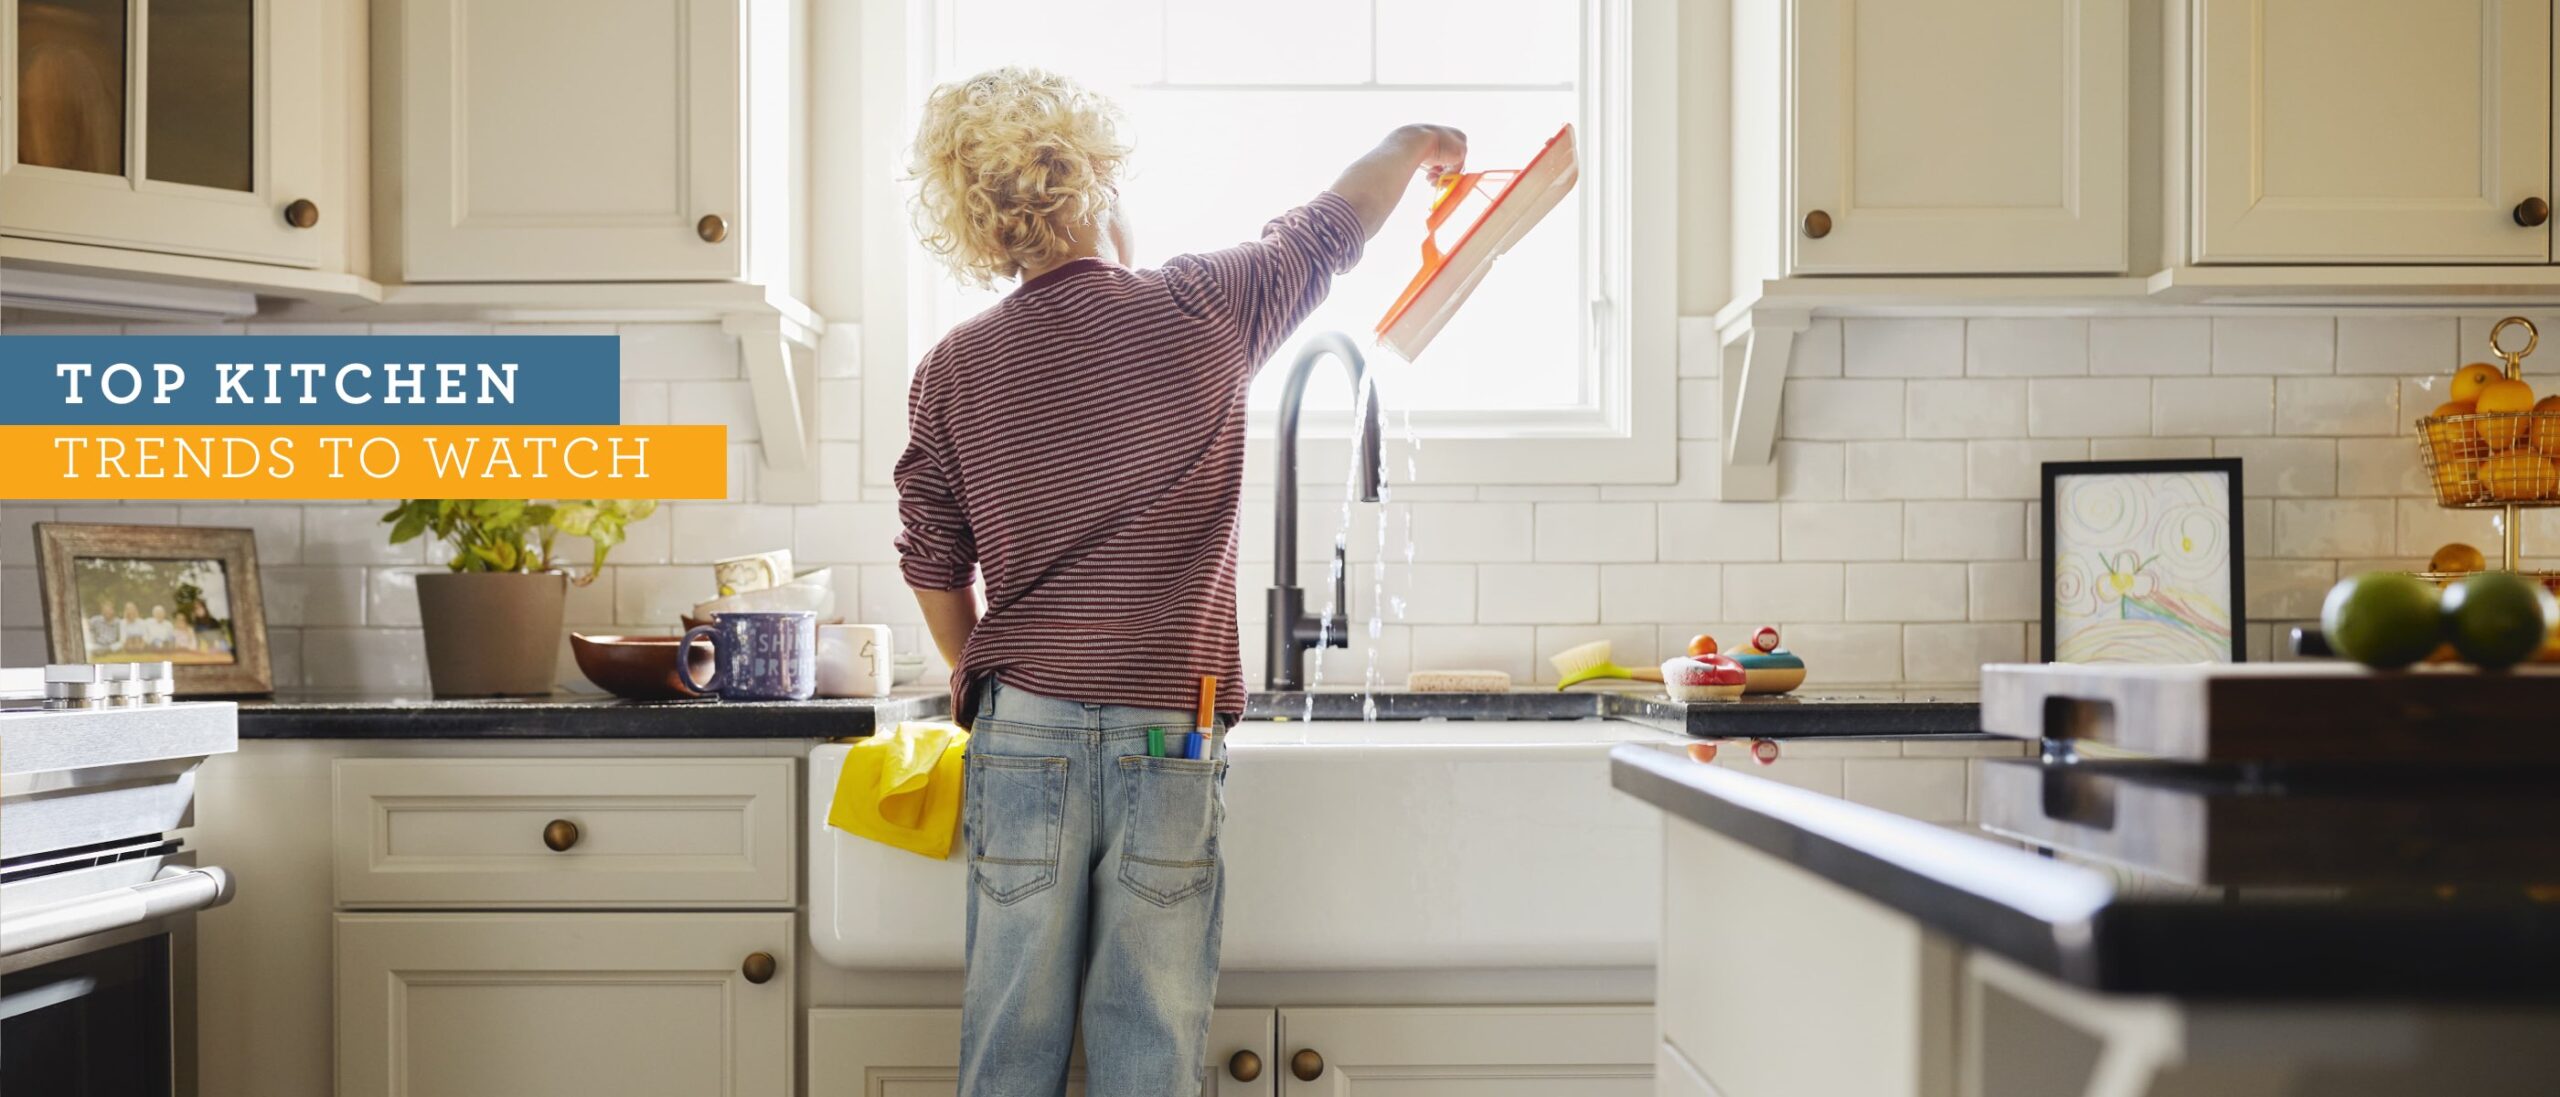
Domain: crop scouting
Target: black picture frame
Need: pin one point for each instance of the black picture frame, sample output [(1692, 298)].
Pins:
[(2229, 467)]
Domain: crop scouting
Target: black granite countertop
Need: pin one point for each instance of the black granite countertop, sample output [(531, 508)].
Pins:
[(2096, 930), (575, 716), (594, 716), (1804, 714)]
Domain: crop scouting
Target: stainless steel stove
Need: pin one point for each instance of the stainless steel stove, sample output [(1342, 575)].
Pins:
[(97, 891)]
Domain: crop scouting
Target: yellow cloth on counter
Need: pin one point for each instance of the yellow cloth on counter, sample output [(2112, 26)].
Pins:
[(903, 789)]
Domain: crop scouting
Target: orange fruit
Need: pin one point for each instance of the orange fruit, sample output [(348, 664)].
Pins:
[(2546, 426), (2470, 379), (2449, 440), (2458, 557), (2519, 475), (2457, 480), (2507, 398)]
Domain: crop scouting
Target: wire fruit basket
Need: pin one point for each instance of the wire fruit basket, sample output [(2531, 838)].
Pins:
[(2505, 458)]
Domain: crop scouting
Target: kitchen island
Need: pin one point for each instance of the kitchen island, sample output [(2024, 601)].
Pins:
[(1944, 961)]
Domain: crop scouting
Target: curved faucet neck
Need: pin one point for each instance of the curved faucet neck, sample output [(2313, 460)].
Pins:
[(1293, 392)]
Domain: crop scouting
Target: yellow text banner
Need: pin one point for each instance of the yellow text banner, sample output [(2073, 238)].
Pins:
[(373, 462)]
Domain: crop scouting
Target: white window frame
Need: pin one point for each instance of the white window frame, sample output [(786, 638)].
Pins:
[(1630, 165)]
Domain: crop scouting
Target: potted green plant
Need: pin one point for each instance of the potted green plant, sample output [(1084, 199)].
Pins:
[(493, 620)]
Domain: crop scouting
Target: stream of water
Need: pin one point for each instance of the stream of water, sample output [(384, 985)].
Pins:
[(1383, 604)]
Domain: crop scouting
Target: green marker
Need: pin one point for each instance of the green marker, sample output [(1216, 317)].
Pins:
[(1155, 742)]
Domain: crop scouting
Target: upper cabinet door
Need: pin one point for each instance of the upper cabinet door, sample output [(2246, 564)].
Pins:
[(1951, 138), (185, 126), (571, 140), (2371, 131)]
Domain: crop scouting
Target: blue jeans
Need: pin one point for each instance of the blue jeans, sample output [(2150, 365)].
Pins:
[(1094, 896)]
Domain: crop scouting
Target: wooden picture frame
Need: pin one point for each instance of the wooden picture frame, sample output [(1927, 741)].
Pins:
[(2185, 514), (186, 594)]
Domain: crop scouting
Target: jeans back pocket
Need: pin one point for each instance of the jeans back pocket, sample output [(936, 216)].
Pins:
[(1018, 814), (1168, 827)]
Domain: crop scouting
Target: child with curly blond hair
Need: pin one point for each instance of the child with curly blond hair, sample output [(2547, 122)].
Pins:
[(1080, 447)]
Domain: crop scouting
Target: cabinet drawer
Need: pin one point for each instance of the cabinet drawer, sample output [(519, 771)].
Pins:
[(684, 832)]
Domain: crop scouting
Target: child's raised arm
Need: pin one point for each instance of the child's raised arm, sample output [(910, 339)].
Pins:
[(1374, 183)]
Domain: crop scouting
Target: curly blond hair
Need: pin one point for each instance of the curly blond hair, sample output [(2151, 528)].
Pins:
[(1008, 165)]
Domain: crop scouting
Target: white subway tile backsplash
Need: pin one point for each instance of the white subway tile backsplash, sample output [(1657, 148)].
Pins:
[(878, 594), (2207, 407), (2150, 346), (1512, 649), (2148, 449), (2425, 527), (1905, 470), (1841, 531), (1964, 531), (2288, 588), (1700, 402), (2381, 467), (1716, 531), (1841, 410), (656, 597), (2013, 469), (1902, 348), (2333, 527), (2004, 590), (23, 647), (862, 533), (1700, 349), (2258, 525), (1776, 593), (325, 596), (1954, 654), (839, 410), (2274, 344), (1811, 471), (1487, 532), (2398, 345), (1661, 592), (21, 595), (365, 659), (2284, 466), (18, 531), (677, 352), (2088, 407), (355, 534), (390, 597), (1538, 594), (1416, 594), (2026, 347), (728, 404), (1595, 532), (2337, 405), (1905, 592), (704, 532), (1968, 408), (644, 403), (1817, 351), (1845, 654)]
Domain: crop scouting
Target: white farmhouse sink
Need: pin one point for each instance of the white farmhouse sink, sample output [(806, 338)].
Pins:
[(1349, 846)]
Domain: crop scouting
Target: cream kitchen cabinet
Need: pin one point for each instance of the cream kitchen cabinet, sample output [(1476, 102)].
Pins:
[(1985, 137), (1458, 1051), (207, 128), (589, 141), (1467, 1051), (564, 1005), (916, 1053), (2371, 131)]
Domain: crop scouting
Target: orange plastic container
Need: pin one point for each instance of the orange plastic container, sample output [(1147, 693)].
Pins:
[(1448, 276)]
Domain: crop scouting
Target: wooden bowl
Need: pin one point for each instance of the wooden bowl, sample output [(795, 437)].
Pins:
[(638, 668)]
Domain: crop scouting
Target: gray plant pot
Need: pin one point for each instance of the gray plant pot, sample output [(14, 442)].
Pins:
[(492, 635)]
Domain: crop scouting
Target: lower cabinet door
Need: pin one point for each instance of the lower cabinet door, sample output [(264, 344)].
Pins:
[(564, 1005), (916, 1053), (1467, 1051)]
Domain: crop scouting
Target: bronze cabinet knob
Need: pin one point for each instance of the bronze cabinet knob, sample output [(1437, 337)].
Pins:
[(758, 968), (2532, 212), (1244, 1066), (302, 213), (1817, 224), (1306, 1065), (560, 835), (711, 228)]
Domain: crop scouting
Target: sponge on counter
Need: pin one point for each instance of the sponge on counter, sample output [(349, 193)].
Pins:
[(904, 788)]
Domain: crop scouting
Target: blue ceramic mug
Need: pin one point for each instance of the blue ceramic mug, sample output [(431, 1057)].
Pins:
[(757, 656)]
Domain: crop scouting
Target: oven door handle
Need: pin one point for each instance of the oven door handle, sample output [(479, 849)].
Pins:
[(175, 891)]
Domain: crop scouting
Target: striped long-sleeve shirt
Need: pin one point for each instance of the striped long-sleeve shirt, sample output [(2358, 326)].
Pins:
[(1082, 444)]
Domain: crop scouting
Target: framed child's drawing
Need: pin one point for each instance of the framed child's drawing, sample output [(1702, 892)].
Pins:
[(2143, 562)]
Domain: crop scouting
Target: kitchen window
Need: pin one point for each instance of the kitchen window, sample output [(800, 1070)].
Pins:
[(1239, 111)]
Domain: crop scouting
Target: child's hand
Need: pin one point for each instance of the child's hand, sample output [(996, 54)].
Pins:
[(1442, 150)]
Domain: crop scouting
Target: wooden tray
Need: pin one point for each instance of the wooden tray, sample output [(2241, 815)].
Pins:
[(2280, 712)]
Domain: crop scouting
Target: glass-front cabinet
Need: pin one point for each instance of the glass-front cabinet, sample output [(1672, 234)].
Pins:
[(185, 126)]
